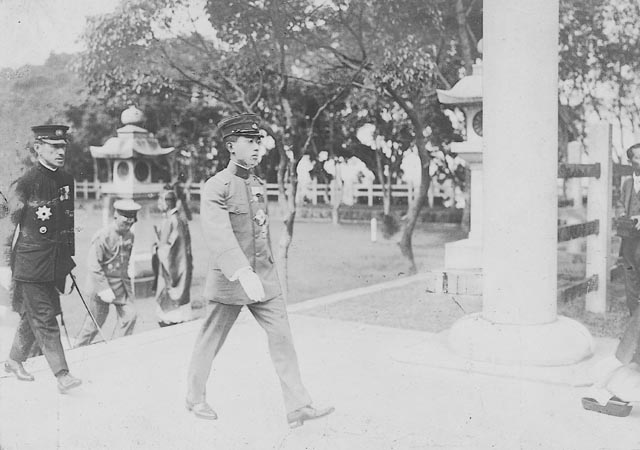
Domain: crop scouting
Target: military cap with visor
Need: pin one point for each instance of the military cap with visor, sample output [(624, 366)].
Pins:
[(51, 134), (127, 208), (240, 125)]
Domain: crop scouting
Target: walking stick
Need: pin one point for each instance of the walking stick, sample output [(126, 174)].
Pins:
[(64, 327), (93, 319)]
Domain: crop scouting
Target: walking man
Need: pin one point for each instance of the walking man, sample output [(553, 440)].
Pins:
[(108, 278), (242, 273), (41, 209)]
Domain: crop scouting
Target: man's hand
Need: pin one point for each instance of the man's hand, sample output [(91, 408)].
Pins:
[(5, 277), (636, 219), (107, 296), (251, 284)]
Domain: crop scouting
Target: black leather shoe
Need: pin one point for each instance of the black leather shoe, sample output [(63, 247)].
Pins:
[(67, 382), (16, 368), (202, 410), (300, 416)]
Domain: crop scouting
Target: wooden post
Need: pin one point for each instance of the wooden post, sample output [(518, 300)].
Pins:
[(314, 191), (599, 208), (370, 195), (574, 192)]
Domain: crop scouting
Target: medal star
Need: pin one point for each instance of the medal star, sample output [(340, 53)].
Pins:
[(43, 213)]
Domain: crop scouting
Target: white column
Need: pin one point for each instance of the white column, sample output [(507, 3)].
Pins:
[(475, 229), (518, 322)]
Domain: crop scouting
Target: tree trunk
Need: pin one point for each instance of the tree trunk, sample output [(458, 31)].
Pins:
[(465, 45), (415, 207)]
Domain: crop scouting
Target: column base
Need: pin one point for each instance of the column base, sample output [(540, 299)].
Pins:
[(558, 343), (463, 254)]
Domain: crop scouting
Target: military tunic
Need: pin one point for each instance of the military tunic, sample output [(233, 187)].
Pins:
[(236, 228), (42, 210), (108, 263)]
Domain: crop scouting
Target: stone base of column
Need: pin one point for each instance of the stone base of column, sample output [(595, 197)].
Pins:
[(558, 343), (463, 254)]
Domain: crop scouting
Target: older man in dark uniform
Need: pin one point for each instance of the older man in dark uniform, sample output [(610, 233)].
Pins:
[(242, 273), (41, 208)]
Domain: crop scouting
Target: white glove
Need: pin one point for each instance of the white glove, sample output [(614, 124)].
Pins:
[(5, 277), (107, 296), (251, 284)]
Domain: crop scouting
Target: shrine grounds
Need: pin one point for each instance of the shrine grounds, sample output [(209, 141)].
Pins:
[(327, 259), (379, 356)]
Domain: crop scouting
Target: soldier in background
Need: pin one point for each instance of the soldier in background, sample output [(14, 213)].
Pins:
[(242, 273), (108, 279), (41, 208), (175, 264)]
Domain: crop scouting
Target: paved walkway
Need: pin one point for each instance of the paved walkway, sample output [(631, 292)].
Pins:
[(392, 389)]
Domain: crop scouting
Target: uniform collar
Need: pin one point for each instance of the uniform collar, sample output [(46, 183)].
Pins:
[(238, 170), (45, 170)]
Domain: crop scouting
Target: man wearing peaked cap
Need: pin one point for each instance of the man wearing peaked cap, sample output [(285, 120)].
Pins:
[(127, 208), (240, 125), (42, 206), (51, 134), (242, 272), (108, 279)]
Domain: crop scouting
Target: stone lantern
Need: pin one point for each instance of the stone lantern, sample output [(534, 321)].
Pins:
[(128, 157), (467, 95)]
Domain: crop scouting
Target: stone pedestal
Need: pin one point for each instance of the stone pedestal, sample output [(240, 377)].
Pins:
[(466, 254), (519, 322)]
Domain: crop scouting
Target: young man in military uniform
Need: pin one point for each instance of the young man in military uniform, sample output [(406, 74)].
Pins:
[(41, 208), (242, 273), (108, 278)]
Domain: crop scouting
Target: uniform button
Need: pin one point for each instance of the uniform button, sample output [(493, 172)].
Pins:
[(257, 253)]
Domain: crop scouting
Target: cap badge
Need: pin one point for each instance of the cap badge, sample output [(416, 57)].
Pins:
[(254, 126), (43, 213), (59, 132)]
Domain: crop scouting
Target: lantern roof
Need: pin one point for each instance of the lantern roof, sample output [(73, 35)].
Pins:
[(466, 91), (132, 140)]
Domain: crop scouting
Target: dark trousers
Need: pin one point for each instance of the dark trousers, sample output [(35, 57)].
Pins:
[(272, 317), (628, 348), (630, 249), (38, 326)]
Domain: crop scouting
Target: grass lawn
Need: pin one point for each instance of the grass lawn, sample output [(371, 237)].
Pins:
[(323, 258)]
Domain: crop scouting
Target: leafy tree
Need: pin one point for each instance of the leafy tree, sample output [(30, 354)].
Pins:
[(600, 59), (403, 51)]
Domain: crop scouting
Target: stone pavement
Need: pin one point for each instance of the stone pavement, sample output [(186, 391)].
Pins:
[(392, 389)]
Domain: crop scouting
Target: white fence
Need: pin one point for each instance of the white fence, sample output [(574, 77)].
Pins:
[(317, 193)]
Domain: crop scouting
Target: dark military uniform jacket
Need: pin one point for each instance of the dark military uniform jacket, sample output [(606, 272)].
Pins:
[(108, 263), (41, 210), (236, 228)]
